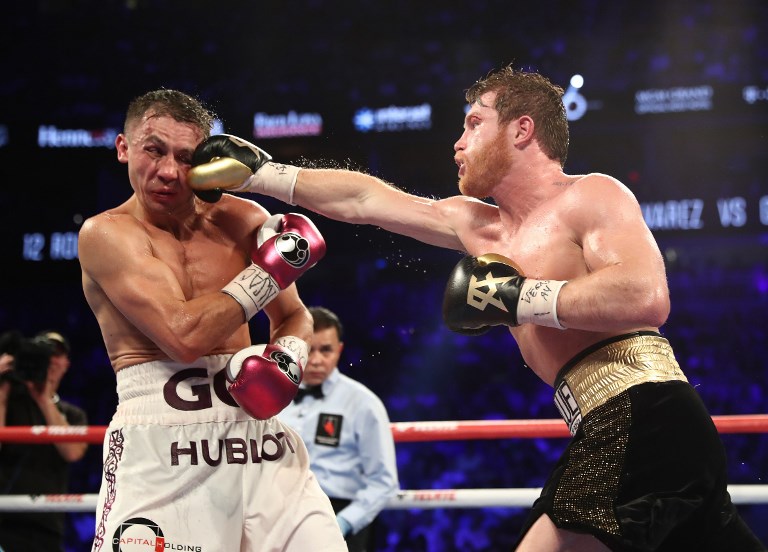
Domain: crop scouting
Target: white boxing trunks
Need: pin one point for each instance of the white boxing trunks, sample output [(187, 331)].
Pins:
[(185, 469)]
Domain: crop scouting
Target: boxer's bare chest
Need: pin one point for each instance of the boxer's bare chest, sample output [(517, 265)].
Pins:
[(543, 246), (202, 260)]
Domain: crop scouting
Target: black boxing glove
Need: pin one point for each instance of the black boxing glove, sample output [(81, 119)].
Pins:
[(490, 290), (226, 162)]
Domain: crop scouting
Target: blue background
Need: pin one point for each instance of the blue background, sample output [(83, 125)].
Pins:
[(76, 64)]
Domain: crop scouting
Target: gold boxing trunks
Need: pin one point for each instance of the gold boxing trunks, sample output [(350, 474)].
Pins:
[(609, 367)]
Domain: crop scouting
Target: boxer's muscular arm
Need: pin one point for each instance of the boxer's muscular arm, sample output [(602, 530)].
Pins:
[(116, 256), (626, 287), (263, 379), (288, 316), (226, 162), (363, 199)]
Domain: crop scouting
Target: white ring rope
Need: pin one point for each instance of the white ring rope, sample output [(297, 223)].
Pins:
[(425, 499)]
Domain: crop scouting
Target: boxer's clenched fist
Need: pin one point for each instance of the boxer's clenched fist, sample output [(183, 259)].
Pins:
[(226, 162), (263, 379), (491, 290), (286, 247)]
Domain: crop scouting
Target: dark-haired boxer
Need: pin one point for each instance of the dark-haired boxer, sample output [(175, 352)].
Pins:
[(584, 299), (194, 458)]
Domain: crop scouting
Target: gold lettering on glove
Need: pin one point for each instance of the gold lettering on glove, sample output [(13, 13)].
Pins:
[(481, 299)]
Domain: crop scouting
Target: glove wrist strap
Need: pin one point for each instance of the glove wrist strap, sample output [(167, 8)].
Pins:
[(253, 288), (538, 302), (275, 180)]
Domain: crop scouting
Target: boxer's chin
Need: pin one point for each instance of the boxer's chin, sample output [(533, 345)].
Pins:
[(472, 188)]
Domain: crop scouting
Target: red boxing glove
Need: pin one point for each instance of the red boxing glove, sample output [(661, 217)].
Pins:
[(287, 246), (263, 379)]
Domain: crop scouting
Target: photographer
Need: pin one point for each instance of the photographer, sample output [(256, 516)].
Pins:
[(30, 373)]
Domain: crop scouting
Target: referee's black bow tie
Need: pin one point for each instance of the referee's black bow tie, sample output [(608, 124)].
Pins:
[(313, 390)]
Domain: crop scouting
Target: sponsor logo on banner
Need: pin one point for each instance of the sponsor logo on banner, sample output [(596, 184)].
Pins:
[(574, 102), (674, 100), (753, 94), (286, 125), (48, 136), (432, 496), (394, 118)]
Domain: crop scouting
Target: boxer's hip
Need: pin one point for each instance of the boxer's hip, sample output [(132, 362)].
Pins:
[(609, 368)]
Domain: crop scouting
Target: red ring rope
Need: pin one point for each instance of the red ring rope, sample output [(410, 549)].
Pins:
[(403, 432)]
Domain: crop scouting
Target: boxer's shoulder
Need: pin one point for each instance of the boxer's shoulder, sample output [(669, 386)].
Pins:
[(476, 223), (111, 239), (229, 206), (110, 225), (232, 216)]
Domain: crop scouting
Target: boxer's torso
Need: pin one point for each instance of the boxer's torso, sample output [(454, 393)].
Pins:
[(203, 254), (545, 245)]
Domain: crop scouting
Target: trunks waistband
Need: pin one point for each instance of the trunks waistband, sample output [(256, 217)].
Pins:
[(609, 368), (173, 393)]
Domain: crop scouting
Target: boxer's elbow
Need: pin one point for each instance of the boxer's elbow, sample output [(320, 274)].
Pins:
[(182, 348), (185, 337), (187, 356), (186, 353), (654, 307)]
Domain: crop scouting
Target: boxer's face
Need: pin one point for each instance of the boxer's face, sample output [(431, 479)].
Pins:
[(324, 352), (482, 151), (158, 151)]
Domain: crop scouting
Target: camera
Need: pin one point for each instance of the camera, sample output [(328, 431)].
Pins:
[(31, 356)]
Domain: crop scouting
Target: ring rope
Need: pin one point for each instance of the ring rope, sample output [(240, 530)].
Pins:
[(403, 432), (425, 499)]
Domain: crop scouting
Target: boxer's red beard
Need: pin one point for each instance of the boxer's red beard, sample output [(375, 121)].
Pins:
[(490, 165)]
